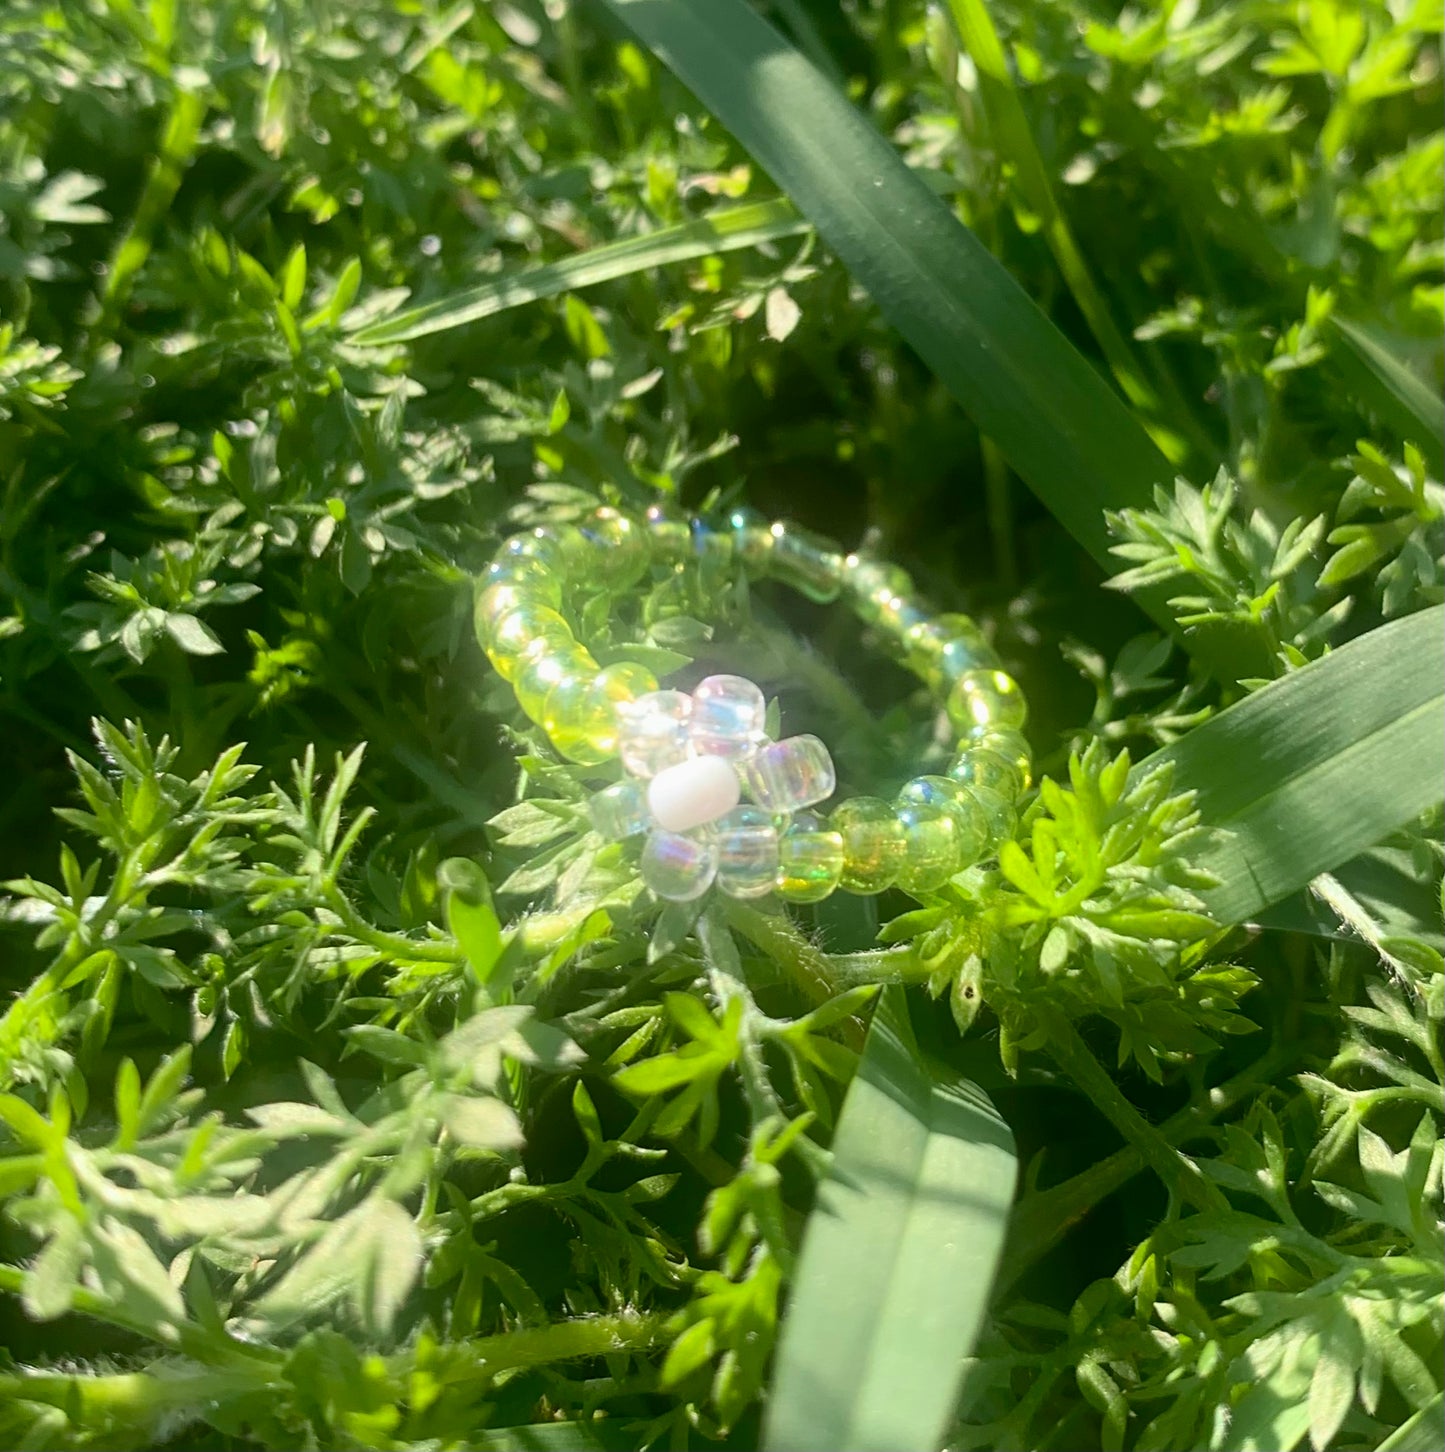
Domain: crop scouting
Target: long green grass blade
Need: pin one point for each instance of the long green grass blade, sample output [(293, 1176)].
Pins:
[(1307, 773), (1402, 400), (1056, 421), (725, 230), (1168, 418), (1424, 1432), (898, 1258)]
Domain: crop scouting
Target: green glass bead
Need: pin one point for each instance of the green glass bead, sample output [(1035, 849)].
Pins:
[(941, 649), (878, 590), (670, 537), (805, 562), (507, 640), (1014, 748), (580, 713), (613, 686), (547, 546), (999, 811), (619, 553), (977, 766), (573, 714), (931, 849), (543, 668), (495, 602), (810, 858), (970, 821), (872, 844), (711, 547), (896, 615), (523, 572), (981, 701), (752, 539)]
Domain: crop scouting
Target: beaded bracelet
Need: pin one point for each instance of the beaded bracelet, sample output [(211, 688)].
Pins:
[(690, 758)]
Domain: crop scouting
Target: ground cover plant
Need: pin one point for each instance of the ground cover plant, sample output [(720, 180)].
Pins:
[(353, 1093)]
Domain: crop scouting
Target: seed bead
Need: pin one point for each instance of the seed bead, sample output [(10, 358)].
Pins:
[(873, 846), (619, 551), (543, 668), (982, 701), (810, 859), (977, 766), (805, 562), (941, 793), (508, 638), (1014, 748)]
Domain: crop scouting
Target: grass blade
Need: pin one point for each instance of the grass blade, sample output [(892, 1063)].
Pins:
[(1312, 770), (1014, 140), (898, 1258), (1056, 421), (1424, 1432), (1402, 400), (1385, 885), (725, 230)]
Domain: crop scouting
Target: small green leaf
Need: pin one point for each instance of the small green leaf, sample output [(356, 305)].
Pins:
[(486, 1124), (50, 1282), (470, 914), (193, 635)]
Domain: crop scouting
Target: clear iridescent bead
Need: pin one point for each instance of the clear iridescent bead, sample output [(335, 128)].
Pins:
[(728, 714), (747, 852), (620, 811), (677, 867), (793, 773), (652, 731)]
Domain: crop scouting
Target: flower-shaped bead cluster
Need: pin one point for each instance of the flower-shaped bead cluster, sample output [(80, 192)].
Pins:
[(690, 759)]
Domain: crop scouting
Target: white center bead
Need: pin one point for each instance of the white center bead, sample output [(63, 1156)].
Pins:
[(693, 793)]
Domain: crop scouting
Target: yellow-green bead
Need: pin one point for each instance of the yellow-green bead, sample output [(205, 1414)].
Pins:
[(496, 601), (977, 766), (970, 821), (524, 572), (945, 647), (872, 844), (1014, 748), (711, 548), (612, 686), (896, 615), (805, 562), (619, 546), (810, 859), (932, 850), (752, 539), (573, 715), (670, 536), (548, 546), (880, 593), (1001, 813), (982, 701), (543, 668), (507, 640)]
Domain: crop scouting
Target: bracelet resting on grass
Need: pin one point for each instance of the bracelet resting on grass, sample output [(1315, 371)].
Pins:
[(691, 759)]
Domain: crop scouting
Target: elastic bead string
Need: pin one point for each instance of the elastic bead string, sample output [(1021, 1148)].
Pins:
[(689, 759)]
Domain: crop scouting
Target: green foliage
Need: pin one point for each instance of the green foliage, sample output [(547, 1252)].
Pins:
[(363, 1097)]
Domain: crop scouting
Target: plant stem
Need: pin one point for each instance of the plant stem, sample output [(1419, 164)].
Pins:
[(1177, 1170), (778, 938), (1042, 1220)]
